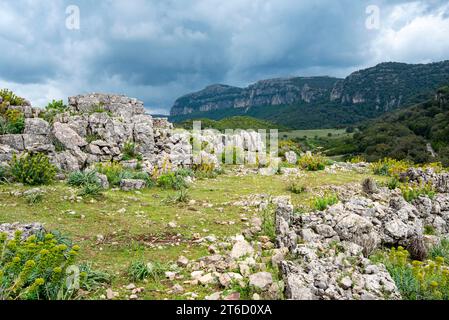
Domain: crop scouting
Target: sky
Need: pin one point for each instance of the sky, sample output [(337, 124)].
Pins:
[(159, 50)]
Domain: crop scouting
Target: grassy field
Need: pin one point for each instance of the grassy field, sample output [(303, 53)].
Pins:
[(313, 134), (121, 226)]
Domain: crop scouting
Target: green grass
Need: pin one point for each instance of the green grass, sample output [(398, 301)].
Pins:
[(141, 231), (312, 134)]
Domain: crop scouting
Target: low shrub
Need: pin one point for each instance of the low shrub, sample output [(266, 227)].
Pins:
[(429, 230), (412, 192), (113, 171), (185, 172), (393, 183), (53, 109), (5, 174), (390, 167), (32, 169), (88, 182), (140, 270), (91, 190), (35, 268), (92, 137), (34, 198), (312, 162), (91, 278), (416, 280), (296, 187), (440, 250), (323, 203), (79, 178), (130, 151), (288, 145), (357, 159), (12, 122), (10, 98), (171, 181), (181, 197)]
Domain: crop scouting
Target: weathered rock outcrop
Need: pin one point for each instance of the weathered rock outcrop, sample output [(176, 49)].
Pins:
[(271, 92), (97, 127), (331, 247)]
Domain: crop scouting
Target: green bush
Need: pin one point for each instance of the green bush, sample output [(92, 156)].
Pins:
[(88, 181), (10, 97), (393, 183), (5, 175), (35, 268), (171, 181), (92, 137), (412, 192), (288, 145), (115, 173), (182, 197), (52, 109), (32, 169), (129, 152), (139, 270), (296, 188), (416, 280), (91, 190), (390, 167), (34, 198), (312, 162), (12, 122), (92, 279), (79, 179), (440, 250), (323, 203)]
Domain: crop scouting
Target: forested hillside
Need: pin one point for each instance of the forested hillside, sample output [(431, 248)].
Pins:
[(413, 133)]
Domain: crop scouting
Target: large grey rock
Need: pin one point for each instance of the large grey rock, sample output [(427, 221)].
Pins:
[(261, 280), (6, 153), (37, 143), (103, 180), (64, 134), (36, 126), (240, 249), (65, 161), (15, 141), (132, 184), (118, 105)]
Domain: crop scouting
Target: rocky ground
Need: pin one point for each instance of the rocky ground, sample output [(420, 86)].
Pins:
[(330, 248), (220, 244)]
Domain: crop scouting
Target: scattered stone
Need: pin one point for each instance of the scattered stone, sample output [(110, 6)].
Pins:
[(183, 261), (240, 249), (261, 280)]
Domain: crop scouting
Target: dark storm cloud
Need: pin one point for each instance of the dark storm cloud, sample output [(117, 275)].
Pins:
[(159, 50)]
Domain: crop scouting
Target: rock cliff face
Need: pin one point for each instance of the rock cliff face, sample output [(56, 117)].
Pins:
[(376, 90), (97, 127), (271, 92)]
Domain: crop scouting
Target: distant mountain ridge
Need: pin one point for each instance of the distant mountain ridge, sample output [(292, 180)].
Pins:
[(271, 92), (319, 102)]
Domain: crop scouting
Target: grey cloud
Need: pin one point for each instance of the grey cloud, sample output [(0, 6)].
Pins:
[(158, 50)]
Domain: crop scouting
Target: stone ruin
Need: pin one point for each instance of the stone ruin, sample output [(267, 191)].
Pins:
[(96, 127)]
